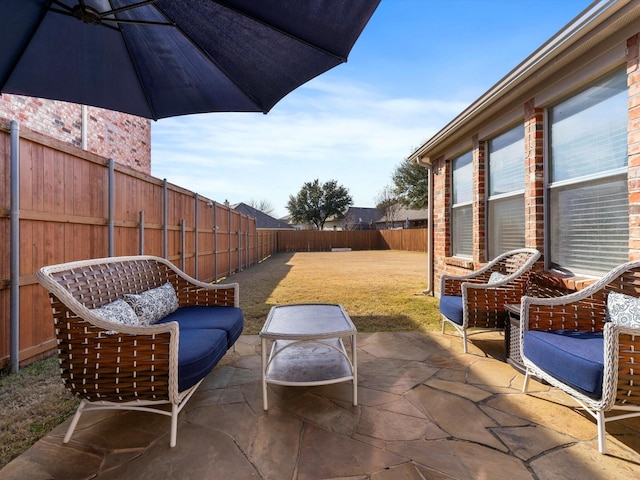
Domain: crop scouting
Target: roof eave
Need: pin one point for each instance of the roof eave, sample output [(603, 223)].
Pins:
[(518, 80)]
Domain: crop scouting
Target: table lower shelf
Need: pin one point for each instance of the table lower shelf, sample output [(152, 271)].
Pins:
[(309, 363), (318, 362)]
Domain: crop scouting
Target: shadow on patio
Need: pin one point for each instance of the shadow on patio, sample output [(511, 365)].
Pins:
[(426, 410)]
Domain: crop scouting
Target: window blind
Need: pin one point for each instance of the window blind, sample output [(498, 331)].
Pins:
[(590, 226)]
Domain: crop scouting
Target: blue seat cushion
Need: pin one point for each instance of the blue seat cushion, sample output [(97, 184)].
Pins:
[(199, 351), (574, 358), (229, 319), (451, 307)]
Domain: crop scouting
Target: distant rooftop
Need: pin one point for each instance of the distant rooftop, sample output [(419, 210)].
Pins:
[(262, 219)]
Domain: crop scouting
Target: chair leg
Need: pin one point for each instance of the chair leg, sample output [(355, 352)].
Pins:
[(464, 340), (443, 322), (601, 432), (74, 421), (525, 384), (174, 425)]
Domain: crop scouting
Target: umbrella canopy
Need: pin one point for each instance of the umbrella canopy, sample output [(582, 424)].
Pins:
[(162, 58)]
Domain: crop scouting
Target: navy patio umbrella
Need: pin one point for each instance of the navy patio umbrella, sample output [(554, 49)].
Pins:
[(162, 58)]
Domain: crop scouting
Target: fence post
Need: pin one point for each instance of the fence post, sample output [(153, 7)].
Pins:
[(141, 235), (195, 240), (240, 244), (112, 205), (183, 234), (230, 239), (15, 247), (215, 242), (165, 219)]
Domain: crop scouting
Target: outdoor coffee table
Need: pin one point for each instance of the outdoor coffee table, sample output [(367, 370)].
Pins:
[(307, 347)]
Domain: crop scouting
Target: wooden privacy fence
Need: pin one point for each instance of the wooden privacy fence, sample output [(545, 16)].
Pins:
[(69, 204), (414, 240), (75, 205)]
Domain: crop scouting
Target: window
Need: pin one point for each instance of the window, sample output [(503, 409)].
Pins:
[(588, 218), (462, 211), (506, 192)]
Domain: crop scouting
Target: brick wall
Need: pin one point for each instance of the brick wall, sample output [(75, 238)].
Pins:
[(479, 200), (534, 176), (125, 138), (633, 81), (534, 119)]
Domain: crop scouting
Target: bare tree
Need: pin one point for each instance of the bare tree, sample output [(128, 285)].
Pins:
[(389, 204), (264, 206)]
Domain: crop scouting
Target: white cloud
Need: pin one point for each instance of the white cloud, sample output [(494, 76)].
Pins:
[(326, 130)]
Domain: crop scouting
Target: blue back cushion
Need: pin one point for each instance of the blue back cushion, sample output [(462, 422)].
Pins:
[(574, 358), (451, 307)]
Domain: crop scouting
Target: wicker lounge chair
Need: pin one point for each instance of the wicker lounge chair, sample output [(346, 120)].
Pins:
[(584, 343), (478, 300), (137, 366)]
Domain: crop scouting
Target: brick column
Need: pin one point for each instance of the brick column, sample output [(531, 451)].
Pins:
[(441, 218), (479, 201), (633, 82), (534, 176)]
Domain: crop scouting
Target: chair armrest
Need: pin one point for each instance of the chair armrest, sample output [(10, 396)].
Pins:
[(515, 263)]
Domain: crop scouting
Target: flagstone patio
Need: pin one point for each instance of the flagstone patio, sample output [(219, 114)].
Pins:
[(426, 411)]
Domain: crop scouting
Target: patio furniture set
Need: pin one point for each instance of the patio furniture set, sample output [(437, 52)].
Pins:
[(137, 333), (586, 342)]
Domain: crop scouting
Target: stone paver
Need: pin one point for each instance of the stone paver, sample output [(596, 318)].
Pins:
[(426, 411)]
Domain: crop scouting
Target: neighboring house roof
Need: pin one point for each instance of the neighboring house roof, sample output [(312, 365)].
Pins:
[(354, 216), (405, 213), (362, 215), (262, 219)]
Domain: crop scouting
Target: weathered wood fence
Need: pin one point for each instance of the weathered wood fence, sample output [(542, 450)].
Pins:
[(317, 241), (74, 205)]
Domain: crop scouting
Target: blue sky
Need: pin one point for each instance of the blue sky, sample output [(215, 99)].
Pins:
[(416, 66)]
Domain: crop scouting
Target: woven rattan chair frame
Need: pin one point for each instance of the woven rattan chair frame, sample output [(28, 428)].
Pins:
[(585, 310), (114, 366), (483, 304)]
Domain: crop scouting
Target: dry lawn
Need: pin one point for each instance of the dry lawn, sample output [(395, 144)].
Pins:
[(32, 403), (380, 290)]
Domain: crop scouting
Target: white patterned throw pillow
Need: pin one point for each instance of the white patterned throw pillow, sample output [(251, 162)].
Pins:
[(496, 277), (154, 304), (623, 309), (117, 311)]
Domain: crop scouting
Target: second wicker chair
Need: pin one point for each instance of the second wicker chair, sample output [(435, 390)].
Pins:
[(478, 300)]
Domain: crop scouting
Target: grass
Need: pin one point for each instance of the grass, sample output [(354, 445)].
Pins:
[(380, 290), (32, 403)]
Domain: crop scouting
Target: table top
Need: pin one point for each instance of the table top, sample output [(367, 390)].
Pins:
[(307, 321)]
